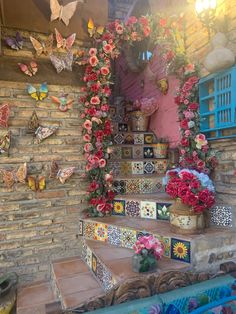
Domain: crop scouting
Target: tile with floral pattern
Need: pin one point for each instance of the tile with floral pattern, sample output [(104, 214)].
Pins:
[(129, 139), (100, 232), (123, 127), (148, 138), (117, 153), (89, 257), (159, 187), (89, 228), (119, 186), (148, 210), (119, 138), (127, 153), (180, 250), (132, 186), (137, 167), (146, 186), (163, 212), (148, 152), (149, 167), (114, 235), (108, 281), (221, 216), (125, 168), (99, 271), (137, 152), (161, 166), (118, 208), (132, 208), (138, 139), (81, 227), (128, 238), (94, 264), (115, 167)]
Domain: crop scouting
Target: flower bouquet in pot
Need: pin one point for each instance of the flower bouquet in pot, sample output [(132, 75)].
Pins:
[(147, 251), (194, 195)]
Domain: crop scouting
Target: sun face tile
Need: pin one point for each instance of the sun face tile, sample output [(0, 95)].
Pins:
[(127, 153), (128, 238), (100, 232), (149, 167), (148, 138), (221, 216), (94, 264), (114, 235), (132, 208), (138, 139), (180, 250), (81, 227), (137, 152), (132, 186), (160, 166), (148, 152), (126, 168), (119, 186), (137, 167), (163, 211), (119, 138), (148, 210), (118, 208), (123, 127), (129, 139), (89, 228)]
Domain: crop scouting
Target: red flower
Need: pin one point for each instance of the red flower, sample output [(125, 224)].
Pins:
[(93, 186), (162, 22), (143, 20), (131, 20), (185, 142), (193, 106), (184, 124)]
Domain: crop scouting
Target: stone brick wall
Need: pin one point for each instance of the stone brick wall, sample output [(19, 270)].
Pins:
[(37, 227)]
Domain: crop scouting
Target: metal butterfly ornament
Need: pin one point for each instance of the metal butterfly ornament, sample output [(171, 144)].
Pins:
[(10, 177), (40, 94), (44, 47), (30, 69), (61, 174), (15, 43), (4, 115), (5, 143), (63, 13), (65, 43), (62, 63), (36, 184), (62, 102), (93, 30)]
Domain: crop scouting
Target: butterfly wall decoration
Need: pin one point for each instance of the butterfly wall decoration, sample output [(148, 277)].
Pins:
[(33, 123), (65, 43), (30, 69), (63, 13), (62, 102), (40, 94), (61, 174), (93, 30), (16, 42), (4, 115), (10, 177), (36, 183), (5, 143), (44, 132), (62, 63), (44, 47), (163, 85)]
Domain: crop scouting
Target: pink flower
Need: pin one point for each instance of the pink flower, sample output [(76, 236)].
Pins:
[(105, 108), (146, 31), (93, 61), (92, 51), (95, 119), (87, 138), (119, 29), (200, 139), (131, 20), (188, 114), (108, 177), (87, 125), (187, 133), (95, 100), (107, 48), (102, 163), (88, 147), (88, 167), (134, 36), (105, 70)]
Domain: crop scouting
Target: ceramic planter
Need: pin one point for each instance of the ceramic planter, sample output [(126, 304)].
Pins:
[(160, 150)]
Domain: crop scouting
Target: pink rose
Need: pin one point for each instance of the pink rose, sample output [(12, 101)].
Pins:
[(187, 133), (93, 61), (88, 147), (87, 125), (87, 138), (105, 108), (107, 48), (88, 167), (95, 100), (105, 70), (188, 114), (92, 51), (119, 29), (102, 163), (131, 20)]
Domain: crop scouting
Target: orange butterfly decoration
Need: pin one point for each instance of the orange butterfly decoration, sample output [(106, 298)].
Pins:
[(30, 69), (63, 13), (5, 143), (42, 47), (36, 184), (14, 176), (93, 30)]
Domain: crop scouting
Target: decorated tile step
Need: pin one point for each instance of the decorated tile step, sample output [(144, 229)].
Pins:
[(128, 167), (126, 151), (134, 138), (142, 185)]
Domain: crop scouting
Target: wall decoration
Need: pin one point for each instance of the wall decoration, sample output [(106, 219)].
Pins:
[(64, 43), (61, 174), (163, 85), (63, 13), (4, 115), (30, 69), (62, 102), (93, 30), (13, 176), (62, 63), (5, 142), (42, 47), (44, 132), (40, 94), (33, 123), (15, 43), (36, 184)]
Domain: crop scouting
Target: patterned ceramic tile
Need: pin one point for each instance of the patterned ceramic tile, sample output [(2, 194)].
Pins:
[(81, 226), (180, 250), (138, 139), (146, 186), (141, 234), (114, 126), (125, 168), (114, 235), (137, 152), (149, 167), (99, 271), (129, 139), (117, 153), (115, 166), (84, 250), (160, 166), (118, 208), (166, 242), (137, 167), (89, 257), (94, 264), (107, 280), (119, 118), (127, 153), (148, 152), (128, 238), (119, 186), (221, 216), (132, 208), (123, 127), (100, 232), (148, 138), (112, 111), (89, 228), (163, 211), (132, 186), (159, 187), (119, 138), (148, 210)]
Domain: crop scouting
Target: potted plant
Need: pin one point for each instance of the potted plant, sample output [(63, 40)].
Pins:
[(194, 195), (147, 251)]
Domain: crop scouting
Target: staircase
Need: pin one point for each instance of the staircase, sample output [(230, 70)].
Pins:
[(140, 207)]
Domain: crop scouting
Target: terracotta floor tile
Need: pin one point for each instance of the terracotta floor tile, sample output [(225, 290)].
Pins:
[(77, 283), (35, 295), (66, 259), (75, 299), (67, 268)]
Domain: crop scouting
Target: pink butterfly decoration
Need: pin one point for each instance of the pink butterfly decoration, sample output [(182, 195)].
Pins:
[(4, 115), (62, 63), (64, 43), (30, 69), (61, 174)]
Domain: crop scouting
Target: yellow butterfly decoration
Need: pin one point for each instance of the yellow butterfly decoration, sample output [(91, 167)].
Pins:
[(40, 94), (36, 184), (93, 30)]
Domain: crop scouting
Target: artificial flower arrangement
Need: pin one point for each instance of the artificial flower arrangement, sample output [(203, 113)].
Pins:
[(191, 187), (147, 251), (147, 105)]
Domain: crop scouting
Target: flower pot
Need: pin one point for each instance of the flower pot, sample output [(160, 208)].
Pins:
[(139, 121), (184, 221), (160, 150), (142, 264)]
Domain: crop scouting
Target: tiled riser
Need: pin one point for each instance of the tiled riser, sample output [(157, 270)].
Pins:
[(101, 272), (134, 152), (134, 138), (175, 248), (138, 167), (142, 209), (138, 186)]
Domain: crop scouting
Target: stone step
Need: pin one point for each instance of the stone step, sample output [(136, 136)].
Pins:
[(204, 251), (151, 206), (144, 184), (138, 167), (135, 138)]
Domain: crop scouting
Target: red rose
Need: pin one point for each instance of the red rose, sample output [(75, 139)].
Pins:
[(186, 175), (185, 142), (172, 190), (191, 199), (184, 124), (111, 195), (193, 106), (195, 184), (99, 154), (199, 209)]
